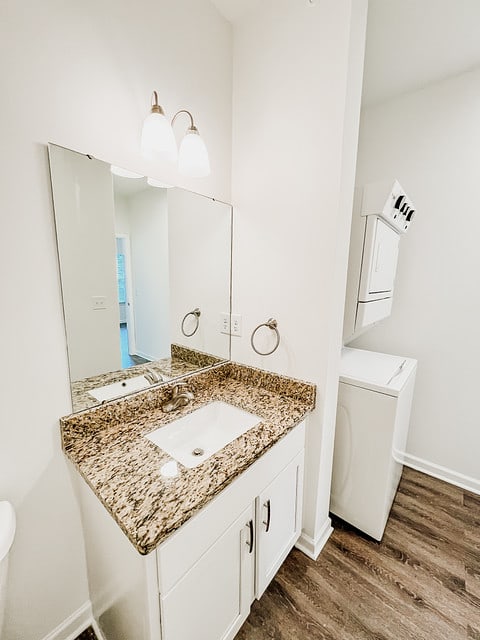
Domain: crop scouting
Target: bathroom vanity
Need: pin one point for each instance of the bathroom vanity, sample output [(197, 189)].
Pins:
[(173, 552), (187, 514)]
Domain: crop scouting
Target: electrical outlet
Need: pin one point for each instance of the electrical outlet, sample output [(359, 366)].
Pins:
[(99, 302), (236, 325), (225, 323)]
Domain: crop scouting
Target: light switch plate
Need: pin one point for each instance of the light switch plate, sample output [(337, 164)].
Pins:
[(99, 302)]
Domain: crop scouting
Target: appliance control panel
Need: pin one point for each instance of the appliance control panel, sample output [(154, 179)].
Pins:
[(389, 202)]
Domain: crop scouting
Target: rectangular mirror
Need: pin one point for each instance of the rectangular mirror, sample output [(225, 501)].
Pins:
[(146, 275)]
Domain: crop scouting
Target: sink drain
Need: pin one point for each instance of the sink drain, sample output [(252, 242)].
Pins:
[(198, 452)]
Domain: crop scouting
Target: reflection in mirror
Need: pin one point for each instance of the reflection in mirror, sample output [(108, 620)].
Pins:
[(145, 277)]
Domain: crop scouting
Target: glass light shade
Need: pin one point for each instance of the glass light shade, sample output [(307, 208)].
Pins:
[(158, 183), (124, 173), (158, 141), (193, 156)]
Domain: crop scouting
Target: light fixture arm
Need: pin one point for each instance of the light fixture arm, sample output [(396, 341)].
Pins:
[(156, 108), (192, 124), (193, 155)]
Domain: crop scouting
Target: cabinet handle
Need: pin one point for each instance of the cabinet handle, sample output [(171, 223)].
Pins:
[(377, 257), (269, 513), (249, 543)]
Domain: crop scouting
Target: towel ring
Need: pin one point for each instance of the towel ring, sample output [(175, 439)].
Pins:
[(271, 324), (196, 314)]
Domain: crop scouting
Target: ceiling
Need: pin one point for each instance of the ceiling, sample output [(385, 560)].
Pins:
[(410, 43), (234, 10)]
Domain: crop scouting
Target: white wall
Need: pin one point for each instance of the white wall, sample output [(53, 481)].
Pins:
[(81, 75), (297, 83), (148, 216), (122, 219), (200, 256), (430, 141), (84, 220)]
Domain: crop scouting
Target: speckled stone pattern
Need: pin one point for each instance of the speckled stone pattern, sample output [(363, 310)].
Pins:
[(283, 385), (198, 358), (108, 447), (173, 367), (88, 634)]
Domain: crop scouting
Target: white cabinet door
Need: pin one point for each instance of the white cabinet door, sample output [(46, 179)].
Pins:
[(383, 266), (213, 599), (279, 514)]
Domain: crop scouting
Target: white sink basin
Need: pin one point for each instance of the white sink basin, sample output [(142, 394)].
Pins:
[(116, 389), (198, 435)]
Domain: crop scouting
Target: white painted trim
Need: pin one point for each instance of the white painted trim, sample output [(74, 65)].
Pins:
[(130, 313), (146, 356), (73, 626), (96, 628), (311, 547), (442, 473)]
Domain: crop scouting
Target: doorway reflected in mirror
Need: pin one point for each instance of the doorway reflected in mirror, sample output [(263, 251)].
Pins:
[(134, 259)]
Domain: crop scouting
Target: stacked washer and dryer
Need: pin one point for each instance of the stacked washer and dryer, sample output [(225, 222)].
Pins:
[(375, 389)]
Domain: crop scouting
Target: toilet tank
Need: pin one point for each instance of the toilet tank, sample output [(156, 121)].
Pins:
[(7, 533)]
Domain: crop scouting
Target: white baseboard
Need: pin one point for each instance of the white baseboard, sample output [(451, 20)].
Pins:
[(73, 626), (145, 356), (442, 473), (98, 631), (311, 547)]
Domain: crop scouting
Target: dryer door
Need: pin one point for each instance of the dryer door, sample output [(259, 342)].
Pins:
[(380, 258)]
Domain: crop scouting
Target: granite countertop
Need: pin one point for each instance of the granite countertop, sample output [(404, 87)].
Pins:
[(181, 362), (124, 469)]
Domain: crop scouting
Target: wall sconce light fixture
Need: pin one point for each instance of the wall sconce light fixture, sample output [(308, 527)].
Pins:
[(158, 142)]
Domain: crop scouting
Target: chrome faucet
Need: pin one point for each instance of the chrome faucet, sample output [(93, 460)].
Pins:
[(179, 398), (152, 376)]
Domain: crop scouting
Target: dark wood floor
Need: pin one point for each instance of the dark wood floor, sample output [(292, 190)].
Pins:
[(421, 582)]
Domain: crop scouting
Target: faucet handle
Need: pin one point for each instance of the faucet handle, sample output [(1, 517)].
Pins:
[(152, 376), (178, 386), (181, 389)]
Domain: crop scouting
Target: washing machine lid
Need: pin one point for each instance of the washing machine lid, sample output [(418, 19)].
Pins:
[(376, 371), (7, 528)]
